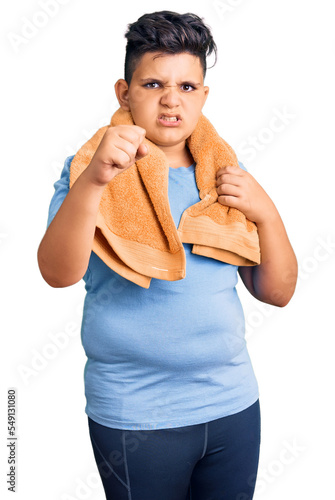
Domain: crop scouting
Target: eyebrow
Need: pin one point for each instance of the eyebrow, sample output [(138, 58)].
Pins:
[(147, 80)]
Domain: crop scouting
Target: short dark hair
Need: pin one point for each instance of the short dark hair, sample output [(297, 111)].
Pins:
[(170, 33)]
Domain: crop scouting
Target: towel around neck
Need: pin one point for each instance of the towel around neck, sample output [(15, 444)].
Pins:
[(135, 233)]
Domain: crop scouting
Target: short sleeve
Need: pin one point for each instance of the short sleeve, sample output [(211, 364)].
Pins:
[(62, 187)]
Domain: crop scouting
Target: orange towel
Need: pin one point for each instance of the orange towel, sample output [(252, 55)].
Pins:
[(135, 233)]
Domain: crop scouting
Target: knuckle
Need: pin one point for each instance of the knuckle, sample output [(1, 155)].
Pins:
[(222, 189), (110, 132), (231, 169), (225, 178), (141, 131), (222, 199)]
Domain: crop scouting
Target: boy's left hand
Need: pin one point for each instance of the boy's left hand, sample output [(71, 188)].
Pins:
[(238, 189)]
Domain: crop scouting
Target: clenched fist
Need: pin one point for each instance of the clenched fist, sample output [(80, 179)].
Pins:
[(237, 188), (120, 148)]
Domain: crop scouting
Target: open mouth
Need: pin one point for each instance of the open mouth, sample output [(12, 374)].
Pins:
[(169, 119)]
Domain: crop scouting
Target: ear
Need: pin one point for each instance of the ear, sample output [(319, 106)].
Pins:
[(206, 92), (121, 91)]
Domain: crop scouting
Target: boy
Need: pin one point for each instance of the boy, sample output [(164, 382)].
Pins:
[(169, 359)]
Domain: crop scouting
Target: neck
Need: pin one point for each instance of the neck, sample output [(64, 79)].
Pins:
[(178, 158)]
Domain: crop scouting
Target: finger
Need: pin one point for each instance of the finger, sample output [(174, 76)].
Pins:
[(142, 151), (141, 131), (228, 169), (226, 178), (131, 133), (228, 190), (121, 158), (229, 201), (127, 147)]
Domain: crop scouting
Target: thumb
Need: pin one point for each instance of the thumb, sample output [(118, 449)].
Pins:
[(142, 151)]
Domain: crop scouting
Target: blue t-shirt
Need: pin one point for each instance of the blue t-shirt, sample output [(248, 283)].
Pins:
[(171, 355)]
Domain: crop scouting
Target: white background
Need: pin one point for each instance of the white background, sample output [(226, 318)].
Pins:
[(58, 78)]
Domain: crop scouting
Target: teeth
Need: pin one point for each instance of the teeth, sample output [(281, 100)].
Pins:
[(170, 118)]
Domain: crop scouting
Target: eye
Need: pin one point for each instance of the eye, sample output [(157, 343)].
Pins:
[(152, 85), (187, 87)]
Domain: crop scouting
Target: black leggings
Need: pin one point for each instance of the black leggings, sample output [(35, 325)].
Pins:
[(217, 460)]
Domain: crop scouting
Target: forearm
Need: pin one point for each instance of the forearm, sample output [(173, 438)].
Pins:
[(274, 280), (65, 249)]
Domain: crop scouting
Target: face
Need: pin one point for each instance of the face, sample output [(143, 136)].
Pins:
[(165, 97)]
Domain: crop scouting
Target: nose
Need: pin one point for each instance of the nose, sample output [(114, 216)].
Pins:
[(170, 97)]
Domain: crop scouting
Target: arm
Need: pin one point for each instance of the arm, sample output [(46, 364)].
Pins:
[(65, 249), (274, 280)]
